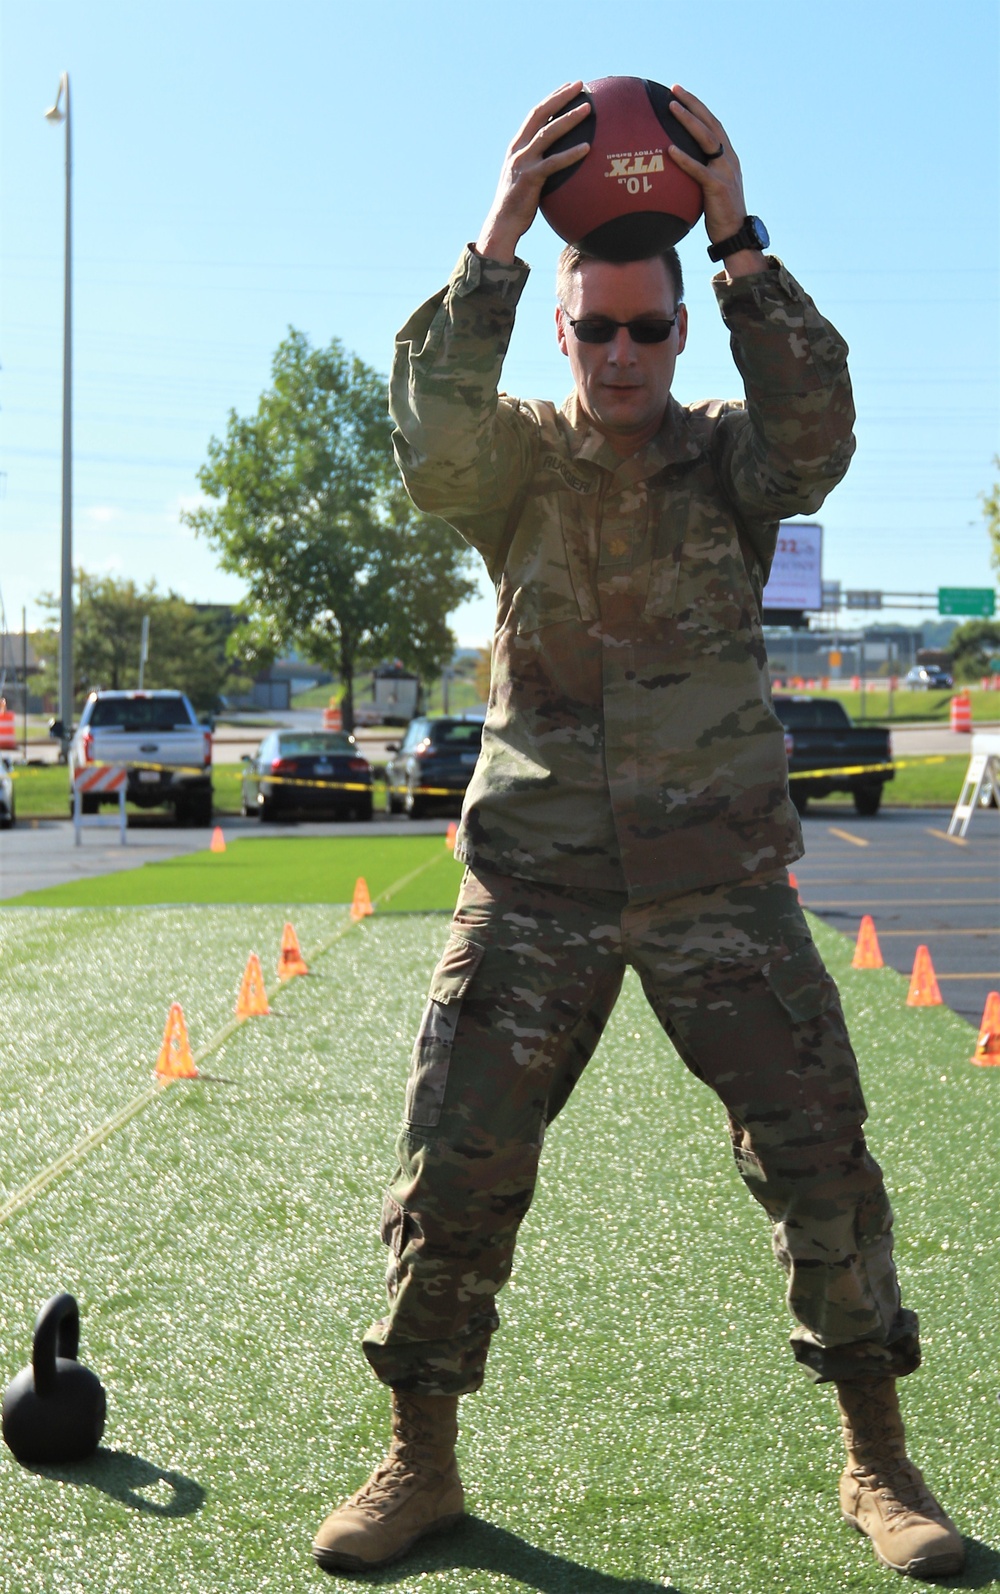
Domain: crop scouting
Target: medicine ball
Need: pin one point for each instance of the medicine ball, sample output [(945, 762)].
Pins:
[(625, 200)]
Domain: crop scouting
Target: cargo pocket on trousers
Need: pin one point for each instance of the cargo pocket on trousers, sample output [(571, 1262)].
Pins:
[(801, 983), (431, 1057)]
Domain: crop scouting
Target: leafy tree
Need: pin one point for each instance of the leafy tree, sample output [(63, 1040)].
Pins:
[(187, 642), (312, 515), (972, 646)]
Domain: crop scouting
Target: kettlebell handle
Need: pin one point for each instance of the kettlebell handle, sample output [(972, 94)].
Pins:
[(57, 1333)]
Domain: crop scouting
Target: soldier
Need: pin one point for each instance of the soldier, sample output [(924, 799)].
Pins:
[(630, 806)]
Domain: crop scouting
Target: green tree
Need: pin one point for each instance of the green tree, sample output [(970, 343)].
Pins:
[(311, 514), (187, 643), (972, 645)]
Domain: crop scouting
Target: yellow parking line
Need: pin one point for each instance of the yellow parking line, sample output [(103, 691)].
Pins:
[(956, 841), (845, 835)]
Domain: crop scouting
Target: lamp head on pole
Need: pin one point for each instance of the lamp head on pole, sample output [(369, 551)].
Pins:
[(55, 113)]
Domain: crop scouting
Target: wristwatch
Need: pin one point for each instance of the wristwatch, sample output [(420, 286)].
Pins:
[(752, 235)]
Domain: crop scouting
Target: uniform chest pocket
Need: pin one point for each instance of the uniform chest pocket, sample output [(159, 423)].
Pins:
[(431, 1058), (547, 564)]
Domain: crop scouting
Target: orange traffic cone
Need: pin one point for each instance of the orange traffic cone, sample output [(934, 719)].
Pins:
[(218, 841), (252, 1000), (362, 904), (923, 982), (452, 836), (867, 953), (290, 959), (793, 882), (987, 1052), (175, 1060)]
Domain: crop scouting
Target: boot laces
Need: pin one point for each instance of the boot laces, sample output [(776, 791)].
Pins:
[(901, 1492), (393, 1474)]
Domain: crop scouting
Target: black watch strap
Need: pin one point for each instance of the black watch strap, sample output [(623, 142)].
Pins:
[(752, 235)]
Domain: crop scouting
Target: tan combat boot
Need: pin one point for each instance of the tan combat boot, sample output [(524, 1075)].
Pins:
[(416, 1490), (881, 1491)]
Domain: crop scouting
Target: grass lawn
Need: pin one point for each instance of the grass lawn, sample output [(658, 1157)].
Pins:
[(643, 1426), (282, 870)]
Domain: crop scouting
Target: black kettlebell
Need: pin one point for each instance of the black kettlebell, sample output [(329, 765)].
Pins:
[(54, 1410)]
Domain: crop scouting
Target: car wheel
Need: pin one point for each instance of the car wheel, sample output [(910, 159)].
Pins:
[(268, 810), (362, 811), (800, 801), (414, 806), (868, 800), (7, 820), (392, 802), (247, 808)]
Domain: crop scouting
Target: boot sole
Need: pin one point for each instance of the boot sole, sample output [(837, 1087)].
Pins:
[(336, 1561), (942, 1565)]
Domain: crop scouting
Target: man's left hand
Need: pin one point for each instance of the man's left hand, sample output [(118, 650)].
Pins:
[(720, 181)]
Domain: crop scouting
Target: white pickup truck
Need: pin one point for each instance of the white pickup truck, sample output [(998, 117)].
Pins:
[(158, 738)]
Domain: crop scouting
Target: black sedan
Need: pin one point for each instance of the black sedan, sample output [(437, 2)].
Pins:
[(305, 773), (432, 766)]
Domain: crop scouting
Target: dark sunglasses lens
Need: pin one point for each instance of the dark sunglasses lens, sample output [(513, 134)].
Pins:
[(595, 329), (651, 331)]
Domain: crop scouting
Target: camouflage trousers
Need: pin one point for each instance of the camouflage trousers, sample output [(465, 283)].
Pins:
[(517, 1005)]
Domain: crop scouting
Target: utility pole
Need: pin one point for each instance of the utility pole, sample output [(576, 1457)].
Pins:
[(57, 114)]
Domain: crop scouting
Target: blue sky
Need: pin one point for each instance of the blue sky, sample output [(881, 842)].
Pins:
[(243, 167)]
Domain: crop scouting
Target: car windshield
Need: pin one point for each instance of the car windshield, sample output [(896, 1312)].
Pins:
[(463, 734), (140, 714), (322, 745), (811, 715)]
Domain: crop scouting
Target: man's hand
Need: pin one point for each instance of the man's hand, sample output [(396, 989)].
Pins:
[(721, 181), (525, 171)]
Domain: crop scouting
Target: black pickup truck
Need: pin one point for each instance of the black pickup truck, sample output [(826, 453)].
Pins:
[(819, 736)]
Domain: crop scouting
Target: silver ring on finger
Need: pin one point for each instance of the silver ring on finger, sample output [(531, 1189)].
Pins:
[(716, 153)]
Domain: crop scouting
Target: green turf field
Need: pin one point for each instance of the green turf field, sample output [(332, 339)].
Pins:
[(643, 1427), (279, 869)]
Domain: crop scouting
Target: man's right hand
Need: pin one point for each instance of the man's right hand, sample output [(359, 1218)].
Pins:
[(525, 171)]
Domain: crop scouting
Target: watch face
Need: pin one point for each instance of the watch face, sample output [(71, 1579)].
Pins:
[(756, 226)]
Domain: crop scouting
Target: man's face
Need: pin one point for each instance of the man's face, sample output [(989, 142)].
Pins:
[(623, 386)]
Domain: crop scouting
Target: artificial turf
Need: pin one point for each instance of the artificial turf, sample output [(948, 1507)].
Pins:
[(279, 870), (642, 1427)]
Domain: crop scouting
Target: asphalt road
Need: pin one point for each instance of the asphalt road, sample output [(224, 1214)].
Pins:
[(919, 885)]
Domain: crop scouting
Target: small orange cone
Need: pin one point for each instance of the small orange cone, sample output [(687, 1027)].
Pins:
[(987, 1052), (175, 1060), (362, 904), (252, 1000), (923, 982), (218, 841), (867, 953), (452, 836), (793, 882), (290, 959)]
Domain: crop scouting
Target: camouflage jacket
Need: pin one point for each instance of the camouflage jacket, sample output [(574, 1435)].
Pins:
[(630, 742)]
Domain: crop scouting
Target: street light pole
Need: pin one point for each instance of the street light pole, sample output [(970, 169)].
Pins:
[(57, 114)]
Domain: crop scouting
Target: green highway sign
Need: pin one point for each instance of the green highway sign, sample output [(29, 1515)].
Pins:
[(980, 601)]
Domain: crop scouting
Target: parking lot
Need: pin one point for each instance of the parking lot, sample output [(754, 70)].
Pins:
[(919, 885)]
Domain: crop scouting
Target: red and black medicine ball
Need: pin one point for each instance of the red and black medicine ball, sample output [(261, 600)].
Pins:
[(625, 200)]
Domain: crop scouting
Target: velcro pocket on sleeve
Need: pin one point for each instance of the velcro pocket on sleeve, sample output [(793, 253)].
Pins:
[(431, 1057), (801, 983)]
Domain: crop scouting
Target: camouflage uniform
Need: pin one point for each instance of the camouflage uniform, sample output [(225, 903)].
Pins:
[(630, 805)]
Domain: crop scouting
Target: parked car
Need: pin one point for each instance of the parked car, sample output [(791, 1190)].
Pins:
[(819, 736), (927, 678), (307, 772), (158, 739), (6, 794), (432, 766)]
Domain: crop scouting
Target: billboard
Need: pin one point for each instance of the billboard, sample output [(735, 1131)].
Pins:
[(796, 579)]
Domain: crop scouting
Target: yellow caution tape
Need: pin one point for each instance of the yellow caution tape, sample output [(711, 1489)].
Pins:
[(869, 769)]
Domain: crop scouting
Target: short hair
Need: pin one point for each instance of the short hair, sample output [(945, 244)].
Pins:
[(573, 258)]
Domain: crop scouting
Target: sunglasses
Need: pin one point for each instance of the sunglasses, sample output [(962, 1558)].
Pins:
[(601, 328)]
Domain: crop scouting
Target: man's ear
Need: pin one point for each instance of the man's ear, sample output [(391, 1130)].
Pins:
[(682, 327), (561, 328)]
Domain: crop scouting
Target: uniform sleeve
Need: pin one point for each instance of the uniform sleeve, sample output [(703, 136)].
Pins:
[(463, 452), (793, 441)]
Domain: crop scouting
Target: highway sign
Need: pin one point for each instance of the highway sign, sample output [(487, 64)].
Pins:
[(864, 600), (980, 601)]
